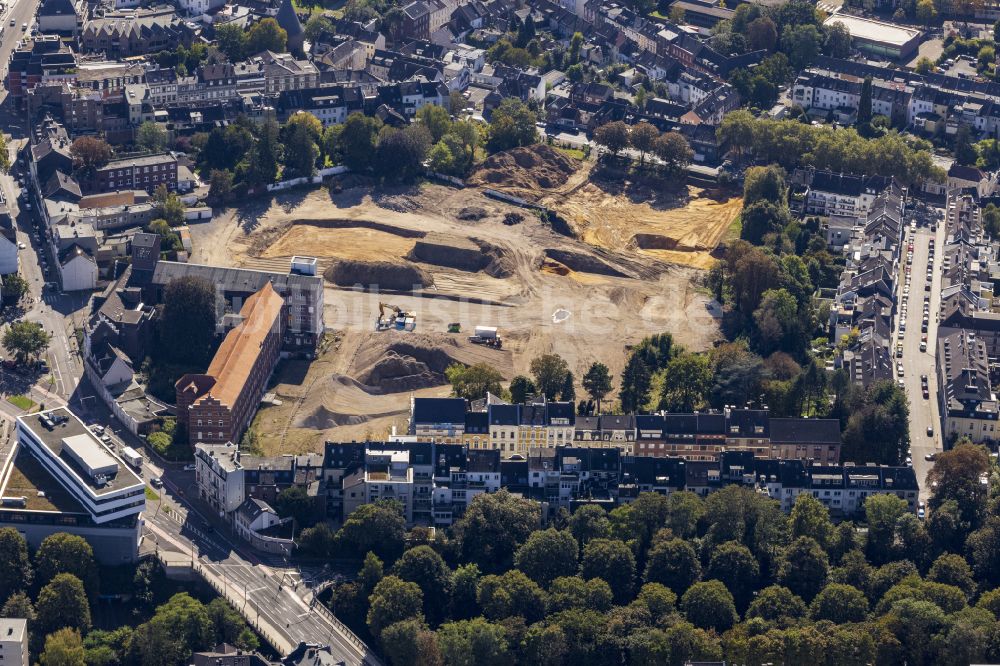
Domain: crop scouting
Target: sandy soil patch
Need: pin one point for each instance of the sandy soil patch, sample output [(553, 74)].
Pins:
[(345, 243)]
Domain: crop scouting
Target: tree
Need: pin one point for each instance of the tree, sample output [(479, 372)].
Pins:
[(493, 527), (63, 648), (803, 568), (801, 43), (294, 502), (179, 627), (231, 39), (26, 340), (709, 605), (643, 139), (956, 476), (62, 603), (878, 429), (151, 137), (473, 643), (865, 105), (511, 125), (423, 566), (265, 157), (575, 43), (168, 206), (952, 569), (777, 604), (613, 562), (16, 574), (19, 605), (809, 518), (924, 65), (634, 391), (926, 11), (473, 382), (589, 522), (737, 568), (511, 595), (838, 41), (762, 34), (317, 26), (567, 592), (358, 139), (685, 382), (568, 392), (613, 137), (882, 512), (400, 154), (4, 154), (266, 35), (672, 149), (371, 572), (984, 551), (765, 184), (549, 371), (220, 187), (67, 553), (378, 527), (465, 584), (597, 382), (13, 288), (411, 642), (673, 563), (435, 119), (187, 325), (393, 600), (521, 389), (546, 555), (89, 154), (301, 136), (839, 604)]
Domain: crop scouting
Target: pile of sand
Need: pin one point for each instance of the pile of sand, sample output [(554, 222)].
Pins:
[(529, 168), (377, 274), (404, 367)]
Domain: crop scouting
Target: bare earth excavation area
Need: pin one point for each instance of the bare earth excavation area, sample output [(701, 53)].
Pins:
[(448, 256)]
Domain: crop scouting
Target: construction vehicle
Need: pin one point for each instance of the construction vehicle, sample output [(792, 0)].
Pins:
[(455, 328), (398, 319), (487, 335)]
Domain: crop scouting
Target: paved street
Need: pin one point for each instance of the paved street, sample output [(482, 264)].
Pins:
[(923, 413), (58, 314)]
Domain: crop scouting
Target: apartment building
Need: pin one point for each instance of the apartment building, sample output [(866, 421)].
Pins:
[(217, 406), (218, 475), (146, 172), (967, 399)]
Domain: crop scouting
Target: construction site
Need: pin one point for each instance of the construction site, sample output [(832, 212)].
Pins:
[(423, 277)]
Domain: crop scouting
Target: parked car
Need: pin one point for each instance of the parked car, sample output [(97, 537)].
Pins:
[(156, 482)]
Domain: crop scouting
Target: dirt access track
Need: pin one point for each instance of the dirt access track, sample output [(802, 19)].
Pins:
[(545, 291)]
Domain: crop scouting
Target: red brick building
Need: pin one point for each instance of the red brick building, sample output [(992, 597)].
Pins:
[(135, 173), (216, 407)]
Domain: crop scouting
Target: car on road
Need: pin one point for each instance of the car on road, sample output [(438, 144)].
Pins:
[(189, 467), (930, 457), (156, 482), (13, 23), (21, 246), (921, 512), (930, 431), (923, 346), (97, 428)]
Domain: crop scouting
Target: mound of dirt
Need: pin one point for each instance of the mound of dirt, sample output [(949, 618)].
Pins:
[(377, 274), (322, 419), (406, 367), (471, 213), (583, 263), (654, 242), (530, 167)]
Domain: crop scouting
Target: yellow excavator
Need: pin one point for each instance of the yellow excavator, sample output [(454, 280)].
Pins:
[(398, 318)]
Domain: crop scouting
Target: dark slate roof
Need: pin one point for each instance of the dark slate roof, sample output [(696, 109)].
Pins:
[(477, 422), (504, 415), (438, 410), (805, 430)]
